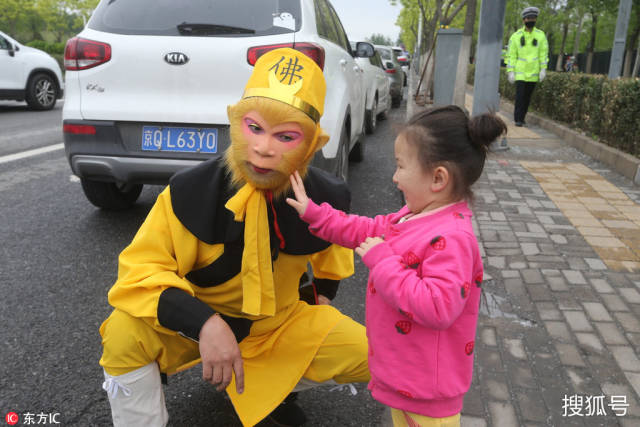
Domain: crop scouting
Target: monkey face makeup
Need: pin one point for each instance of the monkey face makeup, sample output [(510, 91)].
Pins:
[(275, 127), (270, 140)]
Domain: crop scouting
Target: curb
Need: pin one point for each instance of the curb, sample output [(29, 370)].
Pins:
[(622, 162)]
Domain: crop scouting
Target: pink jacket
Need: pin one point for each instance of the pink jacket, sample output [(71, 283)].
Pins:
[(422, 302)]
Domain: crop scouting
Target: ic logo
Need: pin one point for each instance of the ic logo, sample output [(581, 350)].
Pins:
[(176, 58)]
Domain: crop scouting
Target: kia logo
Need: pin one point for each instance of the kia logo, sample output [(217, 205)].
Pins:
[(176, 58)]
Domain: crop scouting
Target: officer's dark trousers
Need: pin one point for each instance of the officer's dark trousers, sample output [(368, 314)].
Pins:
[(523, 97)]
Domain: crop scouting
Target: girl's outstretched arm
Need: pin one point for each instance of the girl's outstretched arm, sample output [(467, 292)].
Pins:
[(331, 224)]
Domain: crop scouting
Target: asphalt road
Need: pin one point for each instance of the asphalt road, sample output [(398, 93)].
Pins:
[(59, 259)]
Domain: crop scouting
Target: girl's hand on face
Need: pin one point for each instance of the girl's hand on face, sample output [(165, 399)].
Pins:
[(301, 201), (369, 243)]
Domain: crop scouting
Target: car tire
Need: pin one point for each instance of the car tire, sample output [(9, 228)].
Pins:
[(370, 118), (109, 195), (343, 155), (42, 92)]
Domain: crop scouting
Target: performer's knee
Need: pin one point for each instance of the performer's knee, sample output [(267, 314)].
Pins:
[(128, 343)]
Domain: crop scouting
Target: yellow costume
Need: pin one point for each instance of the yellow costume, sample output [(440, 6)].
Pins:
[(216, 242)]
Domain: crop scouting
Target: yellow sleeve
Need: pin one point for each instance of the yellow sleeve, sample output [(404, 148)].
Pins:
[(335, 263), (544, 51), (159, 256), (512, 52)]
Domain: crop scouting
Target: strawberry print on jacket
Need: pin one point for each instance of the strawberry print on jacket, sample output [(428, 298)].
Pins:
[(421, 315)]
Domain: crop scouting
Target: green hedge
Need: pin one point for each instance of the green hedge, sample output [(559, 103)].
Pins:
[(52, 48), (606, 110)]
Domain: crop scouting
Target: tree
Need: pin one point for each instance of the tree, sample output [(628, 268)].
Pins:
[(596, 8), (379, 39), (433, 13), (633, 40)]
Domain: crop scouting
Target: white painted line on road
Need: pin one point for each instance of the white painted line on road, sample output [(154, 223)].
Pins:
[(31, 153), (25, 134)]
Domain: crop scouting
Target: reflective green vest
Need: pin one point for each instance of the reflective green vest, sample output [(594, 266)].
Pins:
[(527, 61)]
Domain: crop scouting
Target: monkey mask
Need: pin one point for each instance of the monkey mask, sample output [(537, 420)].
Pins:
[(286, 87)]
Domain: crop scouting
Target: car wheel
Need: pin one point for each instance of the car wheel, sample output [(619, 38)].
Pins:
[(343, 155), (370, 120), (109, 195), (42, 92)]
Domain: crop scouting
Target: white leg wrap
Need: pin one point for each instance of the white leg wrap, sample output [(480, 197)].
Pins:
[(137, 398)]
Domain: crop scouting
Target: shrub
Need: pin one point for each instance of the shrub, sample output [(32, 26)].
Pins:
[(57, 47), (605, 109)]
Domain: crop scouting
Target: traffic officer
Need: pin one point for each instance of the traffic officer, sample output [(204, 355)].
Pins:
[(526, 61)]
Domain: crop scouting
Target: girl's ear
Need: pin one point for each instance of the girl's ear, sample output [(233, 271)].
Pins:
[(439, 179)]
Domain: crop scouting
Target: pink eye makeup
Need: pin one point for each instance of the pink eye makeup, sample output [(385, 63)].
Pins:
[(253, 126), (289, 136)]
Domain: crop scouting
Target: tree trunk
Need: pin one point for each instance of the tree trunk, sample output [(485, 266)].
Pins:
[(636, 66), (565, 31), (576, 40), (629, 54), (460, 88), (592, 42)]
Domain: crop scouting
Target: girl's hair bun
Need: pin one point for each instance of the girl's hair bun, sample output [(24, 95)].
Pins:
[(485, 128)]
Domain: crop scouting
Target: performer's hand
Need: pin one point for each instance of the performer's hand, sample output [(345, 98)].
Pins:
[(301, 201), (369, 243), (511, 76), (322, 300), (220, 354)]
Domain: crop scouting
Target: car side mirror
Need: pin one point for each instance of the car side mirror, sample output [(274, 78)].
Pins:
[(364, 50)]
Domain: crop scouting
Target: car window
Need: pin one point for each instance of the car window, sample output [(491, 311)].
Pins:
[(343, 40), (385, 54), (4, 44), (321, 24), (219, 18), (329, 27), (375, 60)]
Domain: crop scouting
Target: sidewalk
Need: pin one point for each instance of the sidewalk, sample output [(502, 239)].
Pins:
[(558, 339)]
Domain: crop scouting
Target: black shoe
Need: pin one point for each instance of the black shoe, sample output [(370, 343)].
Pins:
[(519, 124), (288, 413)]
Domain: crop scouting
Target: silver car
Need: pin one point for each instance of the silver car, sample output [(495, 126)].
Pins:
[(394, 71)]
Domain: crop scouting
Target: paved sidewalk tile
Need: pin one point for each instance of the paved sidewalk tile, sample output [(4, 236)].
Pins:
[(558, 339)]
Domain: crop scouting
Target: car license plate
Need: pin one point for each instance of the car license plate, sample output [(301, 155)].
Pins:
[(156, 138)]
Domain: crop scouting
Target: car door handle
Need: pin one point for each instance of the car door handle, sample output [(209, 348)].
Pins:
[(343, 62), (356, 68)]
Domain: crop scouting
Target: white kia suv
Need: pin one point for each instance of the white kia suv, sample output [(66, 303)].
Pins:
[(149, 82), (29, 74)]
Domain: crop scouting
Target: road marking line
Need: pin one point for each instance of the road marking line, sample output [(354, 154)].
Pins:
[(23, 134), (31, 153)]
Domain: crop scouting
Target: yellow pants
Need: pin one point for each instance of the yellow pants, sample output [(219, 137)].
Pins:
[(130, 343), (409, 419), (342, 356)]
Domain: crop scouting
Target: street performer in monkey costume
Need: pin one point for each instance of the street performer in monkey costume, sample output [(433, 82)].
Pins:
[(212, 274)]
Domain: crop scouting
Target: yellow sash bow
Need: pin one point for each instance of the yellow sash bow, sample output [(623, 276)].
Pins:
[(258, 294)]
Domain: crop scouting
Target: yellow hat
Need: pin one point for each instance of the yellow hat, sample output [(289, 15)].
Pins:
[(289, 76)]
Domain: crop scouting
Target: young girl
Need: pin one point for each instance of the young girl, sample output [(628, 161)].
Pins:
[(425, 266)]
